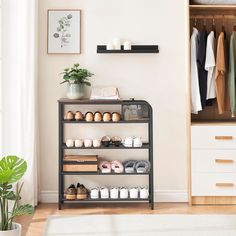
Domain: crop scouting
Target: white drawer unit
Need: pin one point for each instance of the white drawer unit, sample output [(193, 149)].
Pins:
[(218, 137), (213, 184), (213, 162)]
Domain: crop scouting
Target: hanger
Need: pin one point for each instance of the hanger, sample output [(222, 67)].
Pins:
[(204, 24), (234, 28), (195, 22), (223, 26), (214, 26)]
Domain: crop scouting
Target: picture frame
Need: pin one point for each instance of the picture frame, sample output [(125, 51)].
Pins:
[(64, 31)]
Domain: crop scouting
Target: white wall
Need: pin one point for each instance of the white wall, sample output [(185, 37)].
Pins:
[(161, 79)]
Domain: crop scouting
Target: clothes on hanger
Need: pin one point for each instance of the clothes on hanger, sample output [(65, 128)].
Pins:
[(210, 65), (220, 73), (232, 72), (195, 91), (201, 58)]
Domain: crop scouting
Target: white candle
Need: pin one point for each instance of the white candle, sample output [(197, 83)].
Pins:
[(110, 46), (127, 45), (117, 44)]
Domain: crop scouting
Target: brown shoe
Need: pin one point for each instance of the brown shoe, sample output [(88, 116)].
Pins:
[(69, 116), (82, 192), (70, 192)]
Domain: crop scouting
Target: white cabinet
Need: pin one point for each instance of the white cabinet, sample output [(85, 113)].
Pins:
[(213, 160)]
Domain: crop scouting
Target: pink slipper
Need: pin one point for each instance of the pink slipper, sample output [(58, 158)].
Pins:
[(105, 167), (117, 166)]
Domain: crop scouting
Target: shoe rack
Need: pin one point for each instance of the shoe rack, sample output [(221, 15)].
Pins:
[(62, 103)]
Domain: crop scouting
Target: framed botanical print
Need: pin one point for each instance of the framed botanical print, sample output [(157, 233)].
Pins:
[(64, 31)]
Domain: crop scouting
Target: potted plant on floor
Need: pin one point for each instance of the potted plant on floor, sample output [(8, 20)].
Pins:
[(12, 168), (76, 79)]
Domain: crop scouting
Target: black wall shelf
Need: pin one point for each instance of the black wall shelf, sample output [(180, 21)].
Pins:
[(134, 49)]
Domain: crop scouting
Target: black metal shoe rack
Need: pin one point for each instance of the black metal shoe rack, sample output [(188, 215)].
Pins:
[(62, 147)]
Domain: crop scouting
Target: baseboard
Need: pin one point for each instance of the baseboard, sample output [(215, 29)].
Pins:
[(159, 196)]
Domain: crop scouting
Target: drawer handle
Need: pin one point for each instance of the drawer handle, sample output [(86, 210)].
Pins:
[(224, 184), (224, 161), (223, 137)]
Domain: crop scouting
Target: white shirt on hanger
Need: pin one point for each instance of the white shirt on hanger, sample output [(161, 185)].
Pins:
[(210, 65), (195, 93)]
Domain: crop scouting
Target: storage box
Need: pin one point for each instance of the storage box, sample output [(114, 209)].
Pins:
[(83, 163)]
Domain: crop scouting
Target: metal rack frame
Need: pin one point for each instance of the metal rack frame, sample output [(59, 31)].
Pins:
[(62, 147)]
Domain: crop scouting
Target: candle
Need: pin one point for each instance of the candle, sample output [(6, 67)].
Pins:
[(110, 46), (127, 45), (117, 44)]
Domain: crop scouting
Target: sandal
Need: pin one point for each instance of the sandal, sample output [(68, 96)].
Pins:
[(105, 167), (129, 166), (106, 141), (116, 141), (117, 167), (70, 192)]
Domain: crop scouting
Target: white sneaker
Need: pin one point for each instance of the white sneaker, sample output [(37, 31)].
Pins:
[(133, 193), (144, 193), (124, 193), (94, 194), (137, 142), (114, 193), (128, 142), (104, 193)]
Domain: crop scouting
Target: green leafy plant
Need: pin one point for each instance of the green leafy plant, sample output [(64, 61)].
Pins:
[(12, 168), (76, 75)]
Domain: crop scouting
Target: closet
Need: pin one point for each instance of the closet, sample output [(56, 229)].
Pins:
[(213, 135)]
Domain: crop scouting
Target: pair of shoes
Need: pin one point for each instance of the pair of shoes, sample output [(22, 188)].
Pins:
[(107, 141), (104, 193), (74, 116), (85, 143), (106, 116), (122, 193), (73, 193), (133, 166), (132, 142), (142, 193), (107, 167), (96, 193)]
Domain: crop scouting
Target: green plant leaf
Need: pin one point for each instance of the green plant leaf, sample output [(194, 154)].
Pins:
[(23, 210), (12, 168)]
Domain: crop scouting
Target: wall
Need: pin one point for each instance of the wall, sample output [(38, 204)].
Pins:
[(160, 79)]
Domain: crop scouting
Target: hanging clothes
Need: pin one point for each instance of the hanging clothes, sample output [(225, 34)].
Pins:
[(220, 73), (202, 73), (232, 72), (210, 64), (195, 92)]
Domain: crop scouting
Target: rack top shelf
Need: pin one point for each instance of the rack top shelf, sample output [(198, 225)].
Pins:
[(67, 101)]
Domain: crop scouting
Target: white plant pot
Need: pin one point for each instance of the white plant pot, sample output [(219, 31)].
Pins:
[(75, 91), (16, 231)]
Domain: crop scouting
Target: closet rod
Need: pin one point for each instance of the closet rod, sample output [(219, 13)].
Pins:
[(213, 17)]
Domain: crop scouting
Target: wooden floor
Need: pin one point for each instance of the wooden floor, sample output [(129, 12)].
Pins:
[(34, 225)]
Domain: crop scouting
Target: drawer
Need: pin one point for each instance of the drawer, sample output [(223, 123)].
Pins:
[(213, 184), (213, 161), (218, 137)]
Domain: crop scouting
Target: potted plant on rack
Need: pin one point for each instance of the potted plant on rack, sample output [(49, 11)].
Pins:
[(12, 168), (76, 79)]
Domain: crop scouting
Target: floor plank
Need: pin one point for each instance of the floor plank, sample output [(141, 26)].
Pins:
[(34, 225)]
